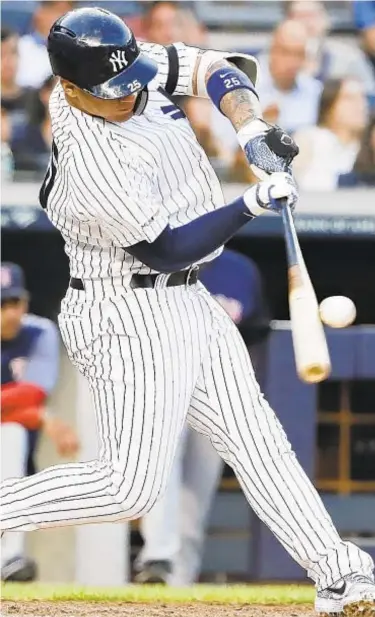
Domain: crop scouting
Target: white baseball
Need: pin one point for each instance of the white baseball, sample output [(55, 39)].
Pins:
[(337, 311)]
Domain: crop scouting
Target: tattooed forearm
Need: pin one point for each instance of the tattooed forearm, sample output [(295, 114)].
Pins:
[(239, 106)]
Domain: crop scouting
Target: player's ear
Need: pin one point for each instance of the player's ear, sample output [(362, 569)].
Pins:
[(69, 88)]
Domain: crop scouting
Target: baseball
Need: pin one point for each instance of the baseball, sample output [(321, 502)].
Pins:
[(337, 311)]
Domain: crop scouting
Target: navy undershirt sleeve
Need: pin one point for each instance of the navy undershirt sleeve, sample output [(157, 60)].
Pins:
[(176, 249)]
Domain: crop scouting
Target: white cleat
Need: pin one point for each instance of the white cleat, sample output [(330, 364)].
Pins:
[(352, 596)]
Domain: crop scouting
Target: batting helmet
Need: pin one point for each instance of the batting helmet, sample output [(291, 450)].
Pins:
[(97, 52)]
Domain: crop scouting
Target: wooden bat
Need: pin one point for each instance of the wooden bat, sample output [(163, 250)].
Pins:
[(309, 341)]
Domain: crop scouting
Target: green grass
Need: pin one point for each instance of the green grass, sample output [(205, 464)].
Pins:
[(223, 594)]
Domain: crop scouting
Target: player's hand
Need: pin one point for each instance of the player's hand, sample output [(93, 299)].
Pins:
[(266, 195), (268, 148), (62, 435)]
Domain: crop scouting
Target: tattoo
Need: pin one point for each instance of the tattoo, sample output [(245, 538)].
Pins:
[(239, 106)]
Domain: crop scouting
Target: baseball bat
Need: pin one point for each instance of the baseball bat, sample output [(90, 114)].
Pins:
[(309, 341)]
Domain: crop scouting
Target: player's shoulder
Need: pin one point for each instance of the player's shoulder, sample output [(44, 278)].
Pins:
[(72, 120), (60, 110), (57, 92)]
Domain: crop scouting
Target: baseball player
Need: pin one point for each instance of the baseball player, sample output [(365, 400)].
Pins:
[(29, 369), (174, 530), (140, 208)]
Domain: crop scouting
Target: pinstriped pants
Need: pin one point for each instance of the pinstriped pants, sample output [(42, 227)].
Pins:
[(154, 357)]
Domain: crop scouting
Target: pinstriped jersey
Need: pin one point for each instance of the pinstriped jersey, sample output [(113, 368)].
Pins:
[(111, 185)]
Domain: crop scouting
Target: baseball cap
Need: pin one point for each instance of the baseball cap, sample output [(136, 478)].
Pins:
[(12, 281)]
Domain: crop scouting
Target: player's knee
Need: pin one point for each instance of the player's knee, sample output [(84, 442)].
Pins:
[(133, 495), (135, 506), (148, 499)]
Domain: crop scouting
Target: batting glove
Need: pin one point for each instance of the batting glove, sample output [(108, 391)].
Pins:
[(270, 194), (268, 148)]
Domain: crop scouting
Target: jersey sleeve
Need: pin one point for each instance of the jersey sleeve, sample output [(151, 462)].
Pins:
[(182, 68), (176, 65), (116, 189), (43, 364)]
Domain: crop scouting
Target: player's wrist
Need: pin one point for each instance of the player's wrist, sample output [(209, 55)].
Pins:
[(251, 201), (252, 129), (224, 80)]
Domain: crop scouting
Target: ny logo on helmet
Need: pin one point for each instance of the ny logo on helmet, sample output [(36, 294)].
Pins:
[(118, 60)]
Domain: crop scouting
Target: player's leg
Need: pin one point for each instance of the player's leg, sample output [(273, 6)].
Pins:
[(229, 407), (14, 446), (160, 527), (140, 354), (202, 469), (139, 424)]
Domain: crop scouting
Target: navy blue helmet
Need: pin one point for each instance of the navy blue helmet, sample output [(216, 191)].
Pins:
[(97, 52)]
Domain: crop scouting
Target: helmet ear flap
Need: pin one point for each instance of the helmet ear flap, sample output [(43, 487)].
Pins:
[(140, 102)]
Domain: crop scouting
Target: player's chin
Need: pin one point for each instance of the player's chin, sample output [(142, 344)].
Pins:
[(120, 115), (122, 109)]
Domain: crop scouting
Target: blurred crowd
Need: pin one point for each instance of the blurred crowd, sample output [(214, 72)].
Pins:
[(317, 86)]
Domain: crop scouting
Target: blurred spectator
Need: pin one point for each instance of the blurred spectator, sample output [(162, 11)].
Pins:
[(330, 149), (167, 22), (328, 58), (31, 144), (29, 370), (288, 96), (174, 530), (193, 31), (34, 66), (7, 162), (364, 16), (364, 168), (13, 97), (162, 22)]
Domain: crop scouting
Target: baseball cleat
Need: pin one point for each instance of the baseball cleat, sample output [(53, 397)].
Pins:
[(352, 596), (154, 573), (19, 570)]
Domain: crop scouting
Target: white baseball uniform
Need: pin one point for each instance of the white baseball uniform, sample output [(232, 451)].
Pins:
[(156, 356)]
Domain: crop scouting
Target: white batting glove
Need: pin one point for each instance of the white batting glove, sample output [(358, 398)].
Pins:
[(266, 195)]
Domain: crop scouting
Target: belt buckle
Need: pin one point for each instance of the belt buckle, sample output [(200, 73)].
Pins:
[(190, 271)]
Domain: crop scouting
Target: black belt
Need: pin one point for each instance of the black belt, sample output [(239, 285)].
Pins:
[(186, 277)]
